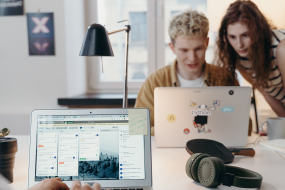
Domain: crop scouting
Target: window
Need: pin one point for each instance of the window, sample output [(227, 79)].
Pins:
[(148, 47), (139, 59), (139, 28), (171, 7), (148, 43)]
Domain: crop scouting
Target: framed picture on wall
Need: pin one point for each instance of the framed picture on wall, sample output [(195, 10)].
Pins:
[(11, 7), (41, 33)]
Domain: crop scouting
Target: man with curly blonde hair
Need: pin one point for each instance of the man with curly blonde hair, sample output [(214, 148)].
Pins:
[(188, 33)]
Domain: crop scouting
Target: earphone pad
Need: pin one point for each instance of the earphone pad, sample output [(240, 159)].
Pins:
[(222, 165), (192, 165), (207, 169), (221, 169)]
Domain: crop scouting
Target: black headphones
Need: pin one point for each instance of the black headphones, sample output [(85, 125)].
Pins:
[(211, 172)]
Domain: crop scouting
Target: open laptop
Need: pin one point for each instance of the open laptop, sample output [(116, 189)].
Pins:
[(216, 113), (90, 145)]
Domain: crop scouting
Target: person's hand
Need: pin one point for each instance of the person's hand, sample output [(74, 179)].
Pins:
[(76, 185), (50, 184)]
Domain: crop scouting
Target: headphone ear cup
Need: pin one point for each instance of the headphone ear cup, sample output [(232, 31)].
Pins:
[(222, 165), (207, 169), (221, 169), (192, 165)]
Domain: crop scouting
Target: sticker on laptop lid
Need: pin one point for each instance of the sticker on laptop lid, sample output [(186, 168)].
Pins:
[(192, 104), (203, 111), (186, 131), (137, 121), (212, 108), (216, 102), (227, 109), (200, 124), (171, 118), (201, 116)]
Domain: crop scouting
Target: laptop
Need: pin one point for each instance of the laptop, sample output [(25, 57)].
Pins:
[(90, 145), (216, 113)]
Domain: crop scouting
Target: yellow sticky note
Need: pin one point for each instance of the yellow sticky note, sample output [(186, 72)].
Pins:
[(137, 121)]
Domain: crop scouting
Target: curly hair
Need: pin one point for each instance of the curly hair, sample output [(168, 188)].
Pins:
[(188, 23), (260, 34)]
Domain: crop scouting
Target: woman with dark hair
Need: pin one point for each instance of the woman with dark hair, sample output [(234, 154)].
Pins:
[(248, 43)]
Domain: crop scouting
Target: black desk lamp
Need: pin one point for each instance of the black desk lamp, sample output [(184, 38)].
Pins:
[(97, 43)]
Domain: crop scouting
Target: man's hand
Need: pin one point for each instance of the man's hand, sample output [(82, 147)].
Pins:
[(50, 184), (76, 185)]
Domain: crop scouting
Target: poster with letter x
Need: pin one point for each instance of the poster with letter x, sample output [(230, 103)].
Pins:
[(41, 33)]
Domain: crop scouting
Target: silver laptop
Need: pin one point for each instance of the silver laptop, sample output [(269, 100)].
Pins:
[(217, 113), (90, 145)]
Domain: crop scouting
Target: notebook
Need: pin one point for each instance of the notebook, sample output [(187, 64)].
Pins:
[(90, 145), (216, 113)]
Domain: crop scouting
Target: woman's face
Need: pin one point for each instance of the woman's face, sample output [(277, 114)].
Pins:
[(238, 36)]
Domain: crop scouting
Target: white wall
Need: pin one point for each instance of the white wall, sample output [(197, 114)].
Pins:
[(36, 82), (75, 28)]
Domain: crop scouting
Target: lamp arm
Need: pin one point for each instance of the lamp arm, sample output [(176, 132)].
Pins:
[(127, 29), (125, 98), (125, 95)]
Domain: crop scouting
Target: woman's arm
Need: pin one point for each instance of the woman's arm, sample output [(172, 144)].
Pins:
[(277, 106), (280, 59)]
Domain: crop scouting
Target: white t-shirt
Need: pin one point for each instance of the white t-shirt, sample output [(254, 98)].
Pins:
[(4, 183), (199, 82)]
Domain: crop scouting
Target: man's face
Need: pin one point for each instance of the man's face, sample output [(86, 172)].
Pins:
[(190, 53)]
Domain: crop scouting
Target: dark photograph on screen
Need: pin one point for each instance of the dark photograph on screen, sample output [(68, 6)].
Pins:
[(41, 33), (107, 167)]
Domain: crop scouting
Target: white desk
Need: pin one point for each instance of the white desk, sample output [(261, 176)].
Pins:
[(168, 167)]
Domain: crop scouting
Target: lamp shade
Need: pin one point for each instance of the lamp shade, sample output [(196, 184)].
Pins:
[(96, 42)]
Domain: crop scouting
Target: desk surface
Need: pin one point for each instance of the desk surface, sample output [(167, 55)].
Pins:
[(168, 167)]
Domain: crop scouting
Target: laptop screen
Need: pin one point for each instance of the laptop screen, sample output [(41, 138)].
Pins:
[(88, 147)]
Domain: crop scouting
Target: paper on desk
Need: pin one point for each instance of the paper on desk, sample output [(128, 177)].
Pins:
[(276, 144), (137, 121)]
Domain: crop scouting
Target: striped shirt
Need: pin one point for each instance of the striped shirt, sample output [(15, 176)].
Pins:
[(275, 84)]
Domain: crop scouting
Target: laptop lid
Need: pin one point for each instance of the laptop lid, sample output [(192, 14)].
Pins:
[(90, 145), (216, 113)]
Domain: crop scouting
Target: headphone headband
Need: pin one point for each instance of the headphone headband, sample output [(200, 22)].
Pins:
[(239, 177)]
